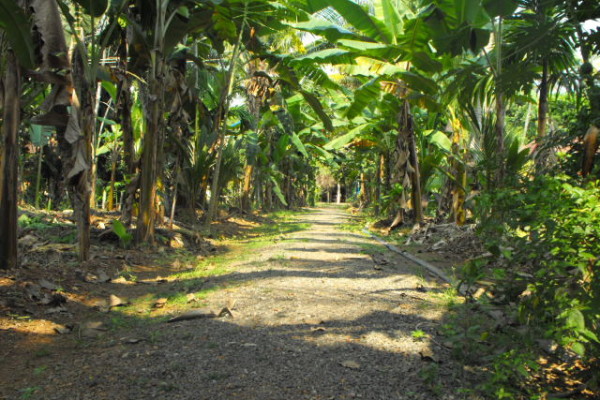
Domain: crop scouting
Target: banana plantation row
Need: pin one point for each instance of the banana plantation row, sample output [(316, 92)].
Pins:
[(484, 111), (165, 102)]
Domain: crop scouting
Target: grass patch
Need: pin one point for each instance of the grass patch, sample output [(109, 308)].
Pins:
[(142, 311), (370, 248)]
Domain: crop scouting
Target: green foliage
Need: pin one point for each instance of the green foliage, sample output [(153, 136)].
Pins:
[(29, 392), (120, 230), (16, 27), (95, 8), (509, 368), (548, 230), (419, 335)]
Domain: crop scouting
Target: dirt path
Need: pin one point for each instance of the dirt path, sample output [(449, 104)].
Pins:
[(314, 318)]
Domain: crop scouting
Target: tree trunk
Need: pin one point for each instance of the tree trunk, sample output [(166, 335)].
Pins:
[(38, 178), (378, 183), (417, 198), (124, 105), (81, 150), (113, 177), (247, 188), (364, 194), (500, 108), (9, 162), (543, 102), (95, 141), (149, 166), (527, 119), (221, 126)]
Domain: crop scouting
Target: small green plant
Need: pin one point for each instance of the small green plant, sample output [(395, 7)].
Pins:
[(430, 377), (124, 237), (40, 370), (508, 369), (67, 239), (419, 335), (42, 352), (29, 392)]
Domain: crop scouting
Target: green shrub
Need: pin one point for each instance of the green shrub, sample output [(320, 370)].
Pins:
[(546, 235), (119, 229)]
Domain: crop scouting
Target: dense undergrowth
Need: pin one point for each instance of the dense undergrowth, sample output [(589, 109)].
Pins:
[(544, 239), (530, 332)]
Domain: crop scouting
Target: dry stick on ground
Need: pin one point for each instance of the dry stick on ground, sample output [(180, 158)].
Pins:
[(434, 270)]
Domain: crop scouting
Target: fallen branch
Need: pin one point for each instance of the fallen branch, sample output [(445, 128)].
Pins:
[(434, 270)]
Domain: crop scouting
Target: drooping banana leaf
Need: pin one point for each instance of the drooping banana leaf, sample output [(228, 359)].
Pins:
[(17, 29), (277, 191)]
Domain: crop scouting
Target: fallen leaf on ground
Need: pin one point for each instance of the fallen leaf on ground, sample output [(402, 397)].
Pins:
[(350, 364), (63, 329), (131, 340), (92, 329), (115, 301), (428, 355), (160, 303), (47, 284), (55, 310), (226, 311), (199, 313), (191, 297)]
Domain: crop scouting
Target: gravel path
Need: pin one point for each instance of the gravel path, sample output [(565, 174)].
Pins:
[(315, 317)]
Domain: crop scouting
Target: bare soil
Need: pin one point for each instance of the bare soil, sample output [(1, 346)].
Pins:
[(321, 313)]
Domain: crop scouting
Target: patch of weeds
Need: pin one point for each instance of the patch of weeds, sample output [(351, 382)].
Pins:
[(17, 317), (155, 336), (42, 352), (125, 238), (370, 248), (37, 223), (277, 258), (508, 368), (29, 392), (40, 370), (283, 222), (280, 228), (449, 297), (353, 226), (128, 275), (119, 322), (69, 238), (419, 335), (430, 377)]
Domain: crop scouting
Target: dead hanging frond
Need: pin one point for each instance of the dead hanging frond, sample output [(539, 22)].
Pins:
[(260, 85), (590, 147), (52, 45), (396, 88), (52, 54)]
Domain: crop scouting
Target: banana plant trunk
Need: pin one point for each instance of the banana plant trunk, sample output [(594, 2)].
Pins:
[(364, 194), (110, 206), (543, 102), (149, 164), (415, 175), (124, 105), (220, 126), (500, 108), (9, 162), (80, 185), (247, 188), (378, 184)]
